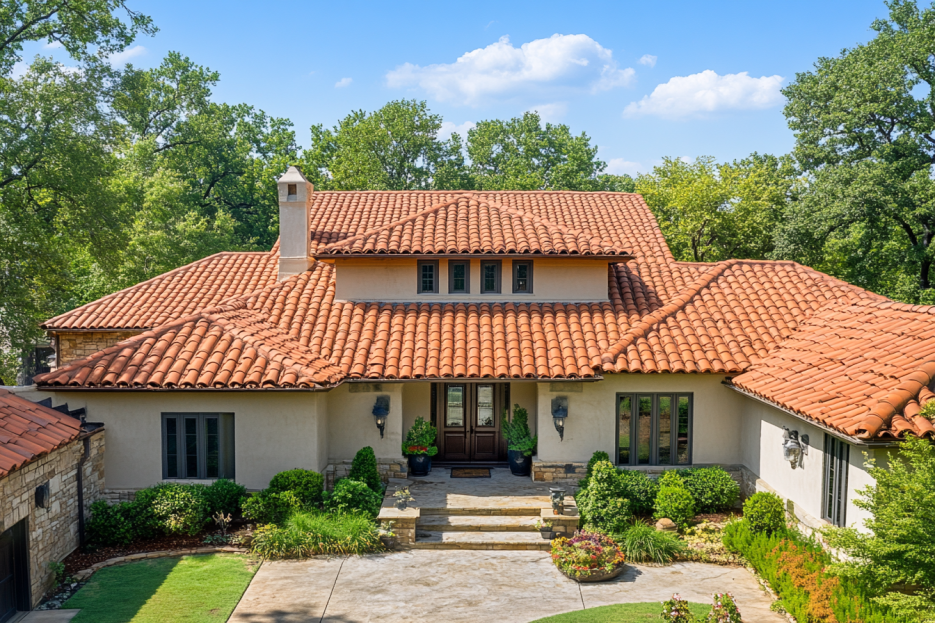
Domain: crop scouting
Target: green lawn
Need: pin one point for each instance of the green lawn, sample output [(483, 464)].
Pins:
[(193, 589), (621, 613)]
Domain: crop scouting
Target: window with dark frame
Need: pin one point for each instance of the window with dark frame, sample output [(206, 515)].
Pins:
[(837, 455), (490, 277), (654, 429), (428, 276), (459, 277), (522, 277), (197, 445)]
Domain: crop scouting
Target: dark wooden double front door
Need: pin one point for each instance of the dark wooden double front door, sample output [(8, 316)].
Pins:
[(469, 422)]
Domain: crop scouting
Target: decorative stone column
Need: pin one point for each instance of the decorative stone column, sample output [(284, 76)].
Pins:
[(404, 523), (562, 525)]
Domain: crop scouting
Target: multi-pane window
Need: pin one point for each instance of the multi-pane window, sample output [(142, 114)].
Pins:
[(428, 277), (490, 277), (198, 445), (522, 277), (459, 277), (837, 454), (654, 429)]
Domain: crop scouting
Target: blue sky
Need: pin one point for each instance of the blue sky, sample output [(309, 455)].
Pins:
[(643, 79)]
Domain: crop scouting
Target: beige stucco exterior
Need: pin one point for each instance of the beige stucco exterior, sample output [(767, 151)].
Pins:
[(395, 279), (351, 424)]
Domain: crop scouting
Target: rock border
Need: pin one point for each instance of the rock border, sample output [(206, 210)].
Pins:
[(84, 574)]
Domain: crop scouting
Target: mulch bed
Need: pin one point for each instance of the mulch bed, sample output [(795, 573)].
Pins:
[(719, 517), (79, 559)]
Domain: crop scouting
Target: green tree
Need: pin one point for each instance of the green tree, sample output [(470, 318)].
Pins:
[(864, 125), (710, 212), (895, 558), (394, 148), (521, 154)]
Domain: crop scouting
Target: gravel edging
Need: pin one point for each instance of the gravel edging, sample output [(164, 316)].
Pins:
[(84, 574)]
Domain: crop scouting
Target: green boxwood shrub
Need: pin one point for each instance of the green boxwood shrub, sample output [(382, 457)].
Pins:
[(676, 503), (672, 478), (225, 496), (180, 508), (600, 455), (364, 469), (305, 484), (643, 543), (764, 512), (352, 496), (712, 488), (640, 490), (602, 504), (110, 526), (267, 507)]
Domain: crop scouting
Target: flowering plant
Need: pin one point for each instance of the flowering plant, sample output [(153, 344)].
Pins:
[(724, 610), (585, 553), (676, 610), (419, 439)]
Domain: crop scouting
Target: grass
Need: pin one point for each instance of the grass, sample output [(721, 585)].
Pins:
[(621, 613), (190, 589)]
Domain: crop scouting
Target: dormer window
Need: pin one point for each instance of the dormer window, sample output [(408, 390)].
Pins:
[(459, 277), (490, 277), (428, 277), (522, 277)]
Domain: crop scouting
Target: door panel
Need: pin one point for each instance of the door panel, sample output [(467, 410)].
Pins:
[(455, 426), (470, 423), (486, 431)]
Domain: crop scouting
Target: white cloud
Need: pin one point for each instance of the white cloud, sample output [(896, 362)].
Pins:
[(500, 69), (122, 58), (19, 69), (648, 59), (445, 132), (343, 82), (550, 113), (52, 45), (619, 166), (707, 91)]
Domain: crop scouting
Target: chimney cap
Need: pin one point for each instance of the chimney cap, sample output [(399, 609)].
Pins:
[(293, 175)]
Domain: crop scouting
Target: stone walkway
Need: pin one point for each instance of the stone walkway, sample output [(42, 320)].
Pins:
[(471, 586)]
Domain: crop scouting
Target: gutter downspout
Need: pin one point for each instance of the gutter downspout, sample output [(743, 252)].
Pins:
[(80, 481)]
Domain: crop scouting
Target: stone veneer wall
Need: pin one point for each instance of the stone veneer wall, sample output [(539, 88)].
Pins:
[(388, 468), (72, 346), (53, 531)]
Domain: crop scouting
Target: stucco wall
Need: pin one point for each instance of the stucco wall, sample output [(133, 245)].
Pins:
[(394, 279), (72, 346), (351, 425), (273, 431), (417, 402), (591, 423), (526, 395)]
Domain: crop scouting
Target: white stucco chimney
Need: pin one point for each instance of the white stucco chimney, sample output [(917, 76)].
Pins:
[(295, 203)]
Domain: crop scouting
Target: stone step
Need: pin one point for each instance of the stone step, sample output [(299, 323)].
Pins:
[(476, 523), (482, 511), (434, 539)]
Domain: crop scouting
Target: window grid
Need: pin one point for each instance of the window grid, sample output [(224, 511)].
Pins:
[(197, 445), (428, 277), (490, 277), (459, 277), (654, 429), (837, 455), (522, 277)]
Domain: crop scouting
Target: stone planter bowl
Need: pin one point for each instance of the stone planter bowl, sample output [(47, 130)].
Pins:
[(596, 576), (389, 542)]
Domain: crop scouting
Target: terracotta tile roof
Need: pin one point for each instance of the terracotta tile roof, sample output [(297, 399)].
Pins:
[(175, 294), (228, 347), (471, 225), (862, 368), (29, 431)]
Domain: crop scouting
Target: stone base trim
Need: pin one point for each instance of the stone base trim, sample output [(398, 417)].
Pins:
[(562, 525), (404, 522), (388, 468), (562, 473), (84, 574)]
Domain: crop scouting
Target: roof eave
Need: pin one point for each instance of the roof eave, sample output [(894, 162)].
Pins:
[(622, 258)]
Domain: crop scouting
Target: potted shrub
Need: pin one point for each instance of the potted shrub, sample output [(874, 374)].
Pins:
[(520, 444), (418, 447), (387, 536), (403, 497), (588, 557), (544, 528)]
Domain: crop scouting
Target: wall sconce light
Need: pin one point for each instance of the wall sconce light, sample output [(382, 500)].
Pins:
[(381, 410), (559, 414), (42, 496), (793, 447)]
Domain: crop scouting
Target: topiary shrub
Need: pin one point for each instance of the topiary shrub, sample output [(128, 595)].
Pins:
[(364, 469), (109, 525), (603, 505), (600, 455), (764, 512), (640, 490), (676, 503), (267, 507), (224, 496), (179, 508), (306, 484), (351, 496), (516, 432), (712, 488), (671, 478)]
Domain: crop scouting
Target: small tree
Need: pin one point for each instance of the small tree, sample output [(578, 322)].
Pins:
[(517, 432), (364, 469), (896, 559)]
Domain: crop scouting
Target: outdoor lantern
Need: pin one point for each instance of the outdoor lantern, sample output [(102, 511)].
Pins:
[(381, 409), (559, 414), (793, 448)]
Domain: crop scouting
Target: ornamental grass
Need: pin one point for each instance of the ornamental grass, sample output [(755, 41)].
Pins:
[(307, 533)]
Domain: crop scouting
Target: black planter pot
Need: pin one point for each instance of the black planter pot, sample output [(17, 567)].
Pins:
[(519, 465), (420, 464)]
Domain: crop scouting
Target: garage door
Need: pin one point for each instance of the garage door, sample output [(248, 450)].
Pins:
[(7, 582)]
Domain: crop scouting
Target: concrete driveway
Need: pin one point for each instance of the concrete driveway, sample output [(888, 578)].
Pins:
[(457, 586)]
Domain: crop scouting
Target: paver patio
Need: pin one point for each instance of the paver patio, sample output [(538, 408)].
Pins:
[(470, 586)]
